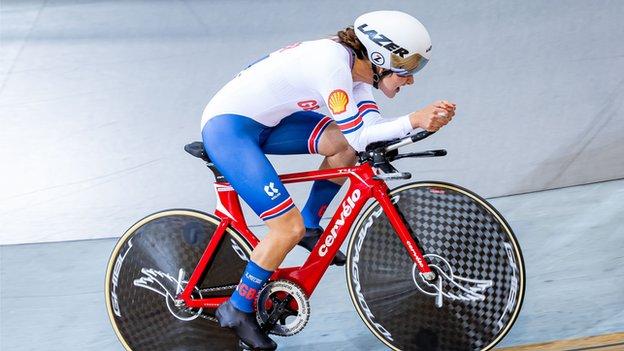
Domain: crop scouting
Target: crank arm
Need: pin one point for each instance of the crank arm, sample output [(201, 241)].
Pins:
[(278, 311)]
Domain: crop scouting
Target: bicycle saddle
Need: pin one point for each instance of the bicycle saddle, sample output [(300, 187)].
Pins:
[(196, 149)]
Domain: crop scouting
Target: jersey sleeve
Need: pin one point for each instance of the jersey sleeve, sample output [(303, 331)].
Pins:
[(377, 126), (356, 113)]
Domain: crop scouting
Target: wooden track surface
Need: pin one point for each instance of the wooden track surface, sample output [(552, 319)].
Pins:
[(607, 342)]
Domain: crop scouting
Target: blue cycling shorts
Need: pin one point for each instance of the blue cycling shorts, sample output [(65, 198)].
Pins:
[(238, 145)]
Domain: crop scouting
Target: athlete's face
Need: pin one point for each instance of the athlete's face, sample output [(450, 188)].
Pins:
[(392, 84)]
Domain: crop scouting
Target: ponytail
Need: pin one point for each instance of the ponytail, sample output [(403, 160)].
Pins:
[(347, 37)]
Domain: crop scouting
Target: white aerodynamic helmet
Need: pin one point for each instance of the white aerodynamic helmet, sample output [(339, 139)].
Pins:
[(394, 40)]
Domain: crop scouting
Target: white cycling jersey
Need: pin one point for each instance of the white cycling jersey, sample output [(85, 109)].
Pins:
[(306, 76)]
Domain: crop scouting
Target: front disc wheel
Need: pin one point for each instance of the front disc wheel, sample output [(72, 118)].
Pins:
[(479, 281)]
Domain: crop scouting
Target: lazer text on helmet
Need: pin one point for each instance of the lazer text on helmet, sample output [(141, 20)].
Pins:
[(383, 40), (347, 208)]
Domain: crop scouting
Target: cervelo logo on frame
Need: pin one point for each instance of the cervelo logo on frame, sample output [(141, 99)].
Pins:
[(419, 262), (383, 41), (347, 209)]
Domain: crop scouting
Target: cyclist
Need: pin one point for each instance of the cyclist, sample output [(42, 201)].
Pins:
[(270, 108)]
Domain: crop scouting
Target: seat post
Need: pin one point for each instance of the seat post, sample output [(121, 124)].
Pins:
[(197, 149), (218, 176)]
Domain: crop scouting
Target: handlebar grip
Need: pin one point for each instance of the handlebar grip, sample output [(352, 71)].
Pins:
[(421, 135)]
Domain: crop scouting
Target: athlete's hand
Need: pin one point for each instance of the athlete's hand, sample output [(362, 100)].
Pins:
[(434, 116)]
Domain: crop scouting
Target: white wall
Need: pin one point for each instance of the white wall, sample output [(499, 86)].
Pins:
[(98, 98)]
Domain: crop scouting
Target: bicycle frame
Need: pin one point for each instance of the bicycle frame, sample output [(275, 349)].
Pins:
[(362, 186)]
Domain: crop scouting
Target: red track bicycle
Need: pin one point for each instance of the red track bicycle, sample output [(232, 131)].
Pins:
[(430, 265)]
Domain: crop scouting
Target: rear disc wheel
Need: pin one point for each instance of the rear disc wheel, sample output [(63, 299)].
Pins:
[(151, 265)]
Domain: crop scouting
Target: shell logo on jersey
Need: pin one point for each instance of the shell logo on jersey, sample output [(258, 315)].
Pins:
[(337, 101), (308, 105)]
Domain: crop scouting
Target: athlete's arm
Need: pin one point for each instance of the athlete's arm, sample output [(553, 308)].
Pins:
[(395, 127), (356, 114)]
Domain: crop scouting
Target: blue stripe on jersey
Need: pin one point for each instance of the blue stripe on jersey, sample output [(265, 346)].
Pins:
[(279, 213), (258, 60), (367, 111), (366, 102), (353, 129), (347, 120), (318, 138)]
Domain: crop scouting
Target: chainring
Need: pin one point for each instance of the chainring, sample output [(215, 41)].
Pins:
[(283, 308)]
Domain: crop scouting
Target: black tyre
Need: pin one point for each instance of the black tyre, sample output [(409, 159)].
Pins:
[(480, 283), (152, 263)]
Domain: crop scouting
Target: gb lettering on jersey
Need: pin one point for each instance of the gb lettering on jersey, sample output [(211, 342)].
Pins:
[(308, 105)]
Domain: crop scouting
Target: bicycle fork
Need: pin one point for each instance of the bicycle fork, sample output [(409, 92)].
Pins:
[(403, 232)]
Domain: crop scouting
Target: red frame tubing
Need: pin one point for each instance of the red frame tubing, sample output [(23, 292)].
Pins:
[(362, 187), (399, 226), (309, 275), (199, 271)]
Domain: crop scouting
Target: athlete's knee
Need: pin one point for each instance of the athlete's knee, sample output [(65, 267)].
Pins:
[(297, 231), (290, 226), (293, 231)]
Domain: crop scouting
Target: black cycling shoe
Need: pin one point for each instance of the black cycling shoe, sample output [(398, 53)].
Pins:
[(310, 239), (245, 326)]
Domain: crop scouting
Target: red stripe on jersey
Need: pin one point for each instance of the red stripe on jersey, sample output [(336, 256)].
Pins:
[(277, 208), (365, 106), (315, 133), (351, 124)]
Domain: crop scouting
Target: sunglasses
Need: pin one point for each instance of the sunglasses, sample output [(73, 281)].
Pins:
[(412, 64)]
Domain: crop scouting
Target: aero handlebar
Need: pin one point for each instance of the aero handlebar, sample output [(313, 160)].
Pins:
[(409, 140)]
